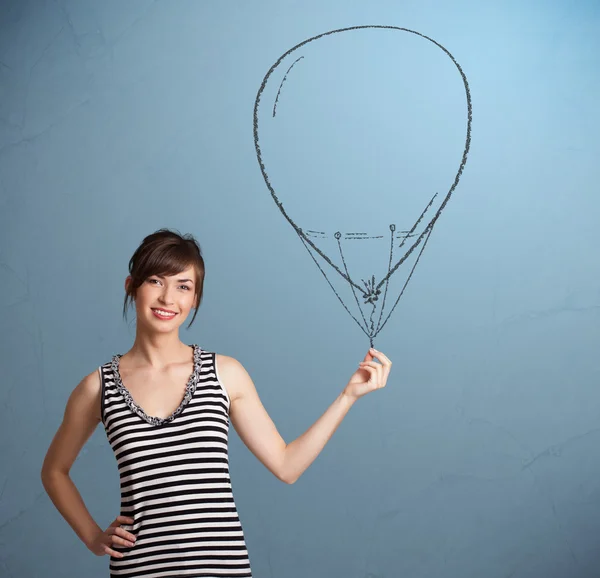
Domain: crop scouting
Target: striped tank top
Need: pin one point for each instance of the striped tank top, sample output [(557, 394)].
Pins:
[(174, 480)]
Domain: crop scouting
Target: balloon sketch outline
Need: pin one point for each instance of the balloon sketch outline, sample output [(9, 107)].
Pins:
[(371, 290)]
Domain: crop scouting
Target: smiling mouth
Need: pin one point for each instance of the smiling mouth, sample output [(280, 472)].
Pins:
[(164, 314)]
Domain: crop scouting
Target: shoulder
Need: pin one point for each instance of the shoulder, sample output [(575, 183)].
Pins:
[(233, 376), (90, 385), (226, 361), (87, 395)]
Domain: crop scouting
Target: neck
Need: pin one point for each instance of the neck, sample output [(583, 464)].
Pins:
[(158, 350)]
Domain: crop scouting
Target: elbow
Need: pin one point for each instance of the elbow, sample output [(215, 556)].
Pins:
[(287, 479), (48, 476), (45, 476), (283, 475), (45, 480)]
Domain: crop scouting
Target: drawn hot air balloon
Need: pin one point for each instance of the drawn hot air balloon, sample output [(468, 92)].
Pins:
[(372, 123)]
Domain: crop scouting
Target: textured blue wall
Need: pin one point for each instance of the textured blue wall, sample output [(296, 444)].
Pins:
[(481, 457)]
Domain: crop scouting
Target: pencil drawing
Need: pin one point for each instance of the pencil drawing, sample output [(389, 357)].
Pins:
[(404, 245)]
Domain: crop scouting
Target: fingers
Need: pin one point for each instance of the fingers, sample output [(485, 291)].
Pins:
[(374, 364), (382, 368), (122, 537), (119, 536), (375, 369), (385, 361), (381, 356), (112, 552), (120, 531)]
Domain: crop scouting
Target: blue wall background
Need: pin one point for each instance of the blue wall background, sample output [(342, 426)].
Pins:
[(481, 457)]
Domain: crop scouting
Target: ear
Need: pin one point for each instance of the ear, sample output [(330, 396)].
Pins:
[(128, 282)]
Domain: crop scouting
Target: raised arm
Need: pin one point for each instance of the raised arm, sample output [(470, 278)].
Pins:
[(258, 432)]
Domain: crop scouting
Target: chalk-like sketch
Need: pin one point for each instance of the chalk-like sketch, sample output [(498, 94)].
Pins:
[(374, 69)]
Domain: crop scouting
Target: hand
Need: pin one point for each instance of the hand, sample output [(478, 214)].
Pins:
[(113, 535), (369, 376)]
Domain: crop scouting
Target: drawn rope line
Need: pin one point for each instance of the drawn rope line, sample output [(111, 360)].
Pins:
[(373, 307), (337, 236), (336, 294), (392, 229), (408, 234), (405, 284)]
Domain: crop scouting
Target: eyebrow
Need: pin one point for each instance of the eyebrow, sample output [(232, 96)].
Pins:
[(178, 280)]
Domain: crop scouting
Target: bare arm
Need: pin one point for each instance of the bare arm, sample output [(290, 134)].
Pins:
[(256, 429), (82, 415), (300, 453)]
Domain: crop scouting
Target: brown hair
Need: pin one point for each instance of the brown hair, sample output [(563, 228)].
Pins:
[(165, 252)]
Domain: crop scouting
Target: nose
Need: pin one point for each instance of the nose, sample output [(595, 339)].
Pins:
[(166, 296)]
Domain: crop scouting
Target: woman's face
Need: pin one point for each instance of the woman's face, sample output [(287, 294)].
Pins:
[(163, 303)]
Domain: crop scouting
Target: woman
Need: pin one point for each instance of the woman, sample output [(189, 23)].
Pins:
[(166, 407)]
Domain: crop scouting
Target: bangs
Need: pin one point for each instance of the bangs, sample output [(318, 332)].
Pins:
[(166, 260)]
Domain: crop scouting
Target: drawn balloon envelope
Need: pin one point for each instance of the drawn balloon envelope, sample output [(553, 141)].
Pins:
[(362, 135)]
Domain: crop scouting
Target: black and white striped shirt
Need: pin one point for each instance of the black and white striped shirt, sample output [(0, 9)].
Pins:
[(174, 479)]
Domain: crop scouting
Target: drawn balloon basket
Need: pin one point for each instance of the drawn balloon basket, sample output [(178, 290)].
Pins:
[(362, 135)]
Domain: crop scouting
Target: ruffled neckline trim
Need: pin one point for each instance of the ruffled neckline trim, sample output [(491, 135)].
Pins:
[(189, 389)]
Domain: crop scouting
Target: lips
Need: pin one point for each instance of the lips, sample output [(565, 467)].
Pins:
[(162, 316)]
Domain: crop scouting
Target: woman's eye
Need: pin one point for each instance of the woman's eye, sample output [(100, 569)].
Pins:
[(184, 286)]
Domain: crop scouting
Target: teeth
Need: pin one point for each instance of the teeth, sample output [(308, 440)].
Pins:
[(163, 314)]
